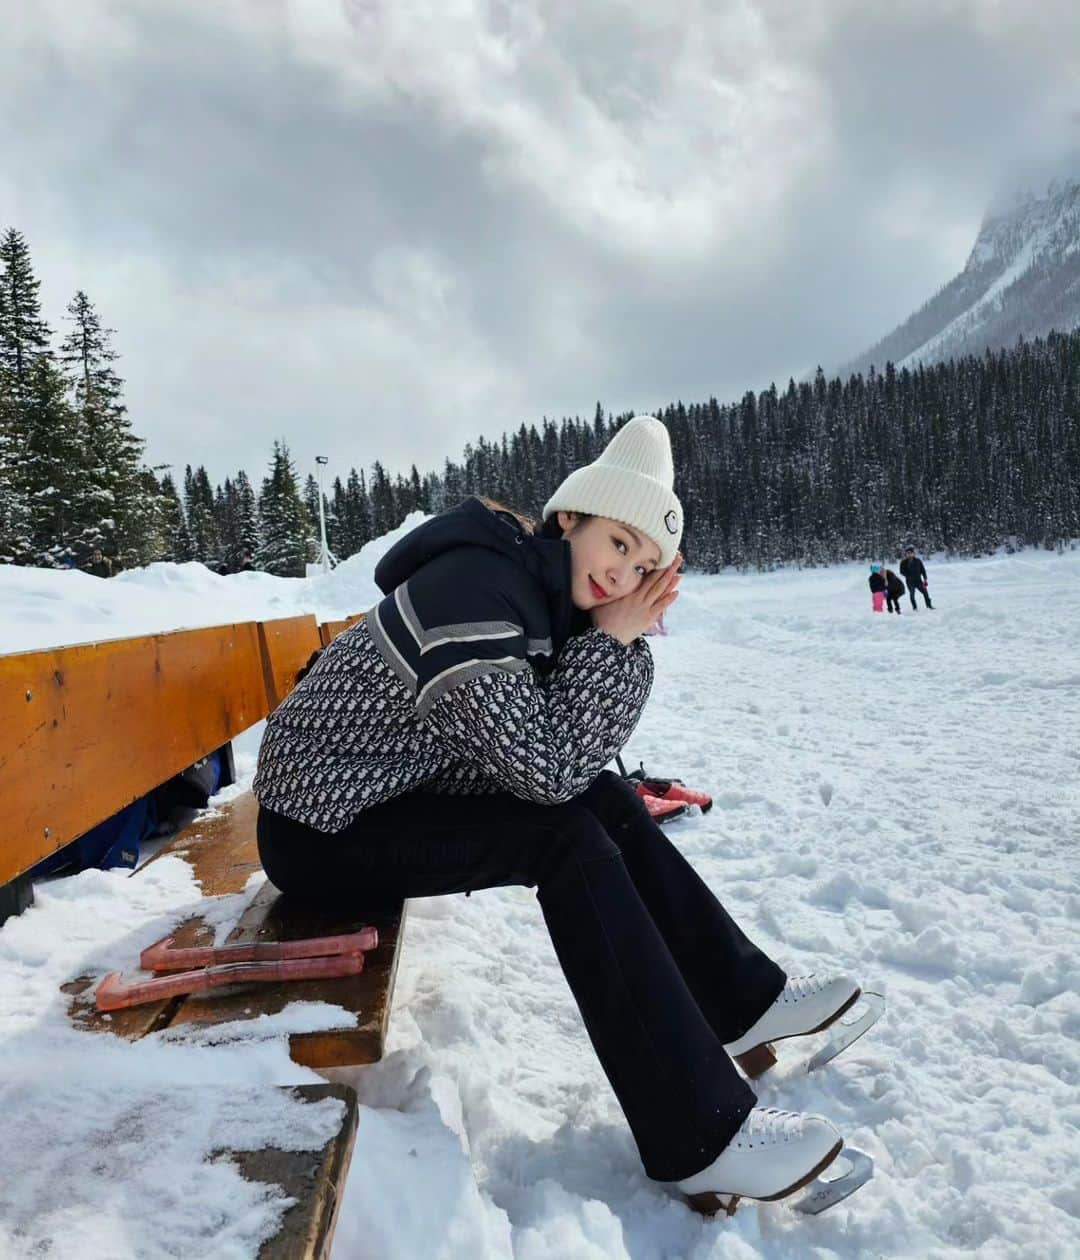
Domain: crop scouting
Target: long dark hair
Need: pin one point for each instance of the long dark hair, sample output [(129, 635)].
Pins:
[(527, 523), (551, 527)]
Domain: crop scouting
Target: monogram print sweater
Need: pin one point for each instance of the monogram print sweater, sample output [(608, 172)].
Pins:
[(474, 674)]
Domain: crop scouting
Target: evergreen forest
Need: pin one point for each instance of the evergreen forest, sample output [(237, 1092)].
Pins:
[(962, 458)]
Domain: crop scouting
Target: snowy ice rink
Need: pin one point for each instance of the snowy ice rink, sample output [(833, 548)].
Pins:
[(896, 797)]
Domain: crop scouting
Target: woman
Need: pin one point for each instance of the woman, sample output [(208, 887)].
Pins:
[(456, 739), (894, 588)]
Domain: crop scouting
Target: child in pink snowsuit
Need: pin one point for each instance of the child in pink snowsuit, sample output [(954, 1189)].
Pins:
[(877, 588)]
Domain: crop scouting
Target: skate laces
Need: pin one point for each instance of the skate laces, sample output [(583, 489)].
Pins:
[(769, 1126), (799, 987)]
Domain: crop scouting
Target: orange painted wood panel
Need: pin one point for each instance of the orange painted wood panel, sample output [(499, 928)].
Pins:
[(286, 645), (85, 730), (329, 630)]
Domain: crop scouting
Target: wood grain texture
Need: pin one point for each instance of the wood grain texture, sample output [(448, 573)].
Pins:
[(286, 645), (329, 630), (223, 852), (316, 1179), (86, 730), (365, 999)]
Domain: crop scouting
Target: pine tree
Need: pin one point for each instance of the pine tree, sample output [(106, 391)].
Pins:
[(24, 335), (247, 517), (42, 455), (311, 505), (116, 509), (156, 542), (283, 519), (381, 496), (225, 524), (201, 522), (175, 534), (15, 544), (47, 467), (352, 516)]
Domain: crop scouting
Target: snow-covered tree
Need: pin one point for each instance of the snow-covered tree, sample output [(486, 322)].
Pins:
[(236, 516), (199, 511), (15, 544), (283, 520), (116, 504), (247, 516), (175, 533), (311, 504), (41, 452), (24, 335)]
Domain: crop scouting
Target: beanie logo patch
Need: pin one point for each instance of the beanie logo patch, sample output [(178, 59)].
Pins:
[(672, 522)]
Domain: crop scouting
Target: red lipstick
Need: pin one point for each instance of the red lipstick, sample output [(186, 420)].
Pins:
[(597, 589)]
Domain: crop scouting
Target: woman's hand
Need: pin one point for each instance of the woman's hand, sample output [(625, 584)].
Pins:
[(630, 616)]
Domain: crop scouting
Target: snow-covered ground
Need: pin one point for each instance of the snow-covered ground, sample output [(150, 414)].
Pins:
[(897, 797), (42, 608)]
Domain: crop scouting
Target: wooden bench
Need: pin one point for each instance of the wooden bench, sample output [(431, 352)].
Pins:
[(85, 731)]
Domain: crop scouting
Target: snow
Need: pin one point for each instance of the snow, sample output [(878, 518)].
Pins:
[(895, 797), (1031, 229), (981, 309), (53, 607)]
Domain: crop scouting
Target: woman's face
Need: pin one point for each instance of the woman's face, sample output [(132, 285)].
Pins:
[(607, 559)]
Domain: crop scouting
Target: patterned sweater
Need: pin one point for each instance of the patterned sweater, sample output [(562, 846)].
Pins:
[(467, 678)]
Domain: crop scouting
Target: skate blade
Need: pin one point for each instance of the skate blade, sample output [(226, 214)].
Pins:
[(824, 1193), (863, 1015)]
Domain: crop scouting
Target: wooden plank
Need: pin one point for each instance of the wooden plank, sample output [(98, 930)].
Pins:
[(316, 1179), (272, 917), (222, 850), (88, 729), (329, 630), (220, 845), (286, 645)]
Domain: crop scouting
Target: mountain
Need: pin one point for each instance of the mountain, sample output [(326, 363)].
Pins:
[(1022, 279)]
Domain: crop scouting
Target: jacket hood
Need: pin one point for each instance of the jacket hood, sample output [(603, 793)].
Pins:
[(473, 524)]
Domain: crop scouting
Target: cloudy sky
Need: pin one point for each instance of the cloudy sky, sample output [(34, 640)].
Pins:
[(377, 228)]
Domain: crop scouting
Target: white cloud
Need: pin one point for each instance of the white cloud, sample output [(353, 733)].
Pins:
[(380, 228)]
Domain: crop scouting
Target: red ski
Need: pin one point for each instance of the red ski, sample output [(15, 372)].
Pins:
[(163, 955)]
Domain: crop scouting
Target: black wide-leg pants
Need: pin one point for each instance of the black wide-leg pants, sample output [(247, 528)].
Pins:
[(661, 973)]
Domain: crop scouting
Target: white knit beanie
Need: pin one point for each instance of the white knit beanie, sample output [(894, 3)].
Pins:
[(630, 482)]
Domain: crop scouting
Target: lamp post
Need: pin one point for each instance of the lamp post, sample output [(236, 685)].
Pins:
[(324, 552)]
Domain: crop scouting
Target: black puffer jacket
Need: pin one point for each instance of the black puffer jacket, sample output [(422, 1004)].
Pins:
[(474, 674), (913, 571)]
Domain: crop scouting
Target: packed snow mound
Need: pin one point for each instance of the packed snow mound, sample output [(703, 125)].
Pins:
[(53, 607)]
